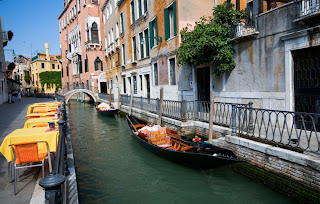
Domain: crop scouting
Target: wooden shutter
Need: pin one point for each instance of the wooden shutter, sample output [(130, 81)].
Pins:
[(151, 34), (174, 15), (156, 25), (166, 24)]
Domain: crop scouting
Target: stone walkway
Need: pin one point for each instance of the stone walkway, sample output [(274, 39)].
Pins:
[(13, 116)]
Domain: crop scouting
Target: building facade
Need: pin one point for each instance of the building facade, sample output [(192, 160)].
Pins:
[(277, 58), (3, 76), (82, 44), (142, 37), (43, 63), (21, 71)]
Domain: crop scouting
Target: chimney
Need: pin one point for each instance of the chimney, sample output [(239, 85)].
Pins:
[(46, 45)]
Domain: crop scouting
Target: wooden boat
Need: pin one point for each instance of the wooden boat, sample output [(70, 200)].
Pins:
[(182, 150), (109, 112)]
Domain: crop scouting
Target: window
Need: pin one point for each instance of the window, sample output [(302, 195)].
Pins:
[(140, 82), (94, 33), (134, 48), (67, 70), (155, 74), (53, 66), (42, 65), (112, 39), (144, 44), (129, 79), (79, 5), (58, 66), (123, 54), (86, 64), (94, 1), (80, 65), (121, 23), (145, 5), (135, 84), (118, 58), (62, 71), (170, 21), (98, 64), (124, 85), (153, 26), (117, 30), (132, 12), (104, 19), (172, 71), (140, 7)]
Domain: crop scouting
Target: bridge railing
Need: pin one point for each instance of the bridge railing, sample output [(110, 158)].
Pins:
[(71, 87)]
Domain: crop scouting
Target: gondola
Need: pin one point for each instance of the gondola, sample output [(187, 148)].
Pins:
[(182, 150)]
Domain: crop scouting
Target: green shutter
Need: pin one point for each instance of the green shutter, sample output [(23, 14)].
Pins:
[(145, 6), (174, 15), (95, 65), (146, 34), (140, 8), (166, 24), (151, 34), (134, 49), (132, 10), (86, 65), (141, 46), (156, 25), (121, 16), (80, 67)]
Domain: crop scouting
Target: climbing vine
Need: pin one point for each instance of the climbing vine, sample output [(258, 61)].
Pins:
[(210, 41), (49, 78), (27, 77)]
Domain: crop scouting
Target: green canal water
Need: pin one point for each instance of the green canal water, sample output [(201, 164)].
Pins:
[(112, 167)]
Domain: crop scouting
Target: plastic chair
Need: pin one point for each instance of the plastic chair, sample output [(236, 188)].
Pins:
[(27, 152)]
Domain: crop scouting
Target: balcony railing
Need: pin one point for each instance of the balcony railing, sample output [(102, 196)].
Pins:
[(95, 44), (246, 27), (308, 8)]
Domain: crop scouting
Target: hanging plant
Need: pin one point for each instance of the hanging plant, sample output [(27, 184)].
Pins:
[(210, 40), (49, 78)]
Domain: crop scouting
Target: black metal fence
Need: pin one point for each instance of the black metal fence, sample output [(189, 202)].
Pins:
[(288, 129), (54, 182)]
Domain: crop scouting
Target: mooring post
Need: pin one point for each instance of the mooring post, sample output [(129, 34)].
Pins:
[(211, 115), (250, 127), (233, 121), (160, 107), (131, 99)]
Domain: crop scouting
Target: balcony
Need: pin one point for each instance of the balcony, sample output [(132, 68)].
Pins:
[(89, 44), (69, 55), (307, 9), (246, 28)]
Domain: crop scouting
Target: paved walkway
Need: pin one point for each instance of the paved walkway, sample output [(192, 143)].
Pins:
[(13, 116)]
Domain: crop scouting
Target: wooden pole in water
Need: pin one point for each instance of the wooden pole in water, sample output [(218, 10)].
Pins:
[(211, 116), (131, 98), (160, 107), (110, 97)]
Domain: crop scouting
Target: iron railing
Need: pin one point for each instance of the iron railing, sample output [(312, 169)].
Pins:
[(293, 130), (54, 182), (308, 8), (245, 27), (106, 96)]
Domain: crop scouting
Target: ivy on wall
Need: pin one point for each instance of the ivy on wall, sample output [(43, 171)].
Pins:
[(49, 78), (210, 41)]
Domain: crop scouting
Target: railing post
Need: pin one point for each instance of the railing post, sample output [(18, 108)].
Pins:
[(233, 121), (52, 186), (196, 110), (250, 126)]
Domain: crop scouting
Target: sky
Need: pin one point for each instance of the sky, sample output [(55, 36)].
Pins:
[(33, 23)]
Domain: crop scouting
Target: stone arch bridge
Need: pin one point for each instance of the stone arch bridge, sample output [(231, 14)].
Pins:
[(67, 95)]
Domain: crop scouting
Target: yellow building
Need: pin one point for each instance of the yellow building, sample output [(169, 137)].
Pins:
[(42, 63)]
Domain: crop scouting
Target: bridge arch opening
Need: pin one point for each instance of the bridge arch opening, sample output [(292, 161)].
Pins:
[(87, 93)]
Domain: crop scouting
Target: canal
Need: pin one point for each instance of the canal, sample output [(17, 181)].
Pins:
[(112, 167)]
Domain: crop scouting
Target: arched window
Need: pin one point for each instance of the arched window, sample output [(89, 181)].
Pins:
[(98, 64), (94, 33)]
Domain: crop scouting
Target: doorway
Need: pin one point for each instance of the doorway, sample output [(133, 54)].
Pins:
[(203, 84), (148, 85), (103, 87)]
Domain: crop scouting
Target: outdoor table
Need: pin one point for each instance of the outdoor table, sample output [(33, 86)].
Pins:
[(41, 105), (29, 135), (40, 115), (39, 121), (44, 109)]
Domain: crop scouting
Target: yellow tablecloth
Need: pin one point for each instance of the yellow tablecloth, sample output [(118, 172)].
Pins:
[(31, 107), (46, 109), (40, 115), (29, 135), (39, 121)]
